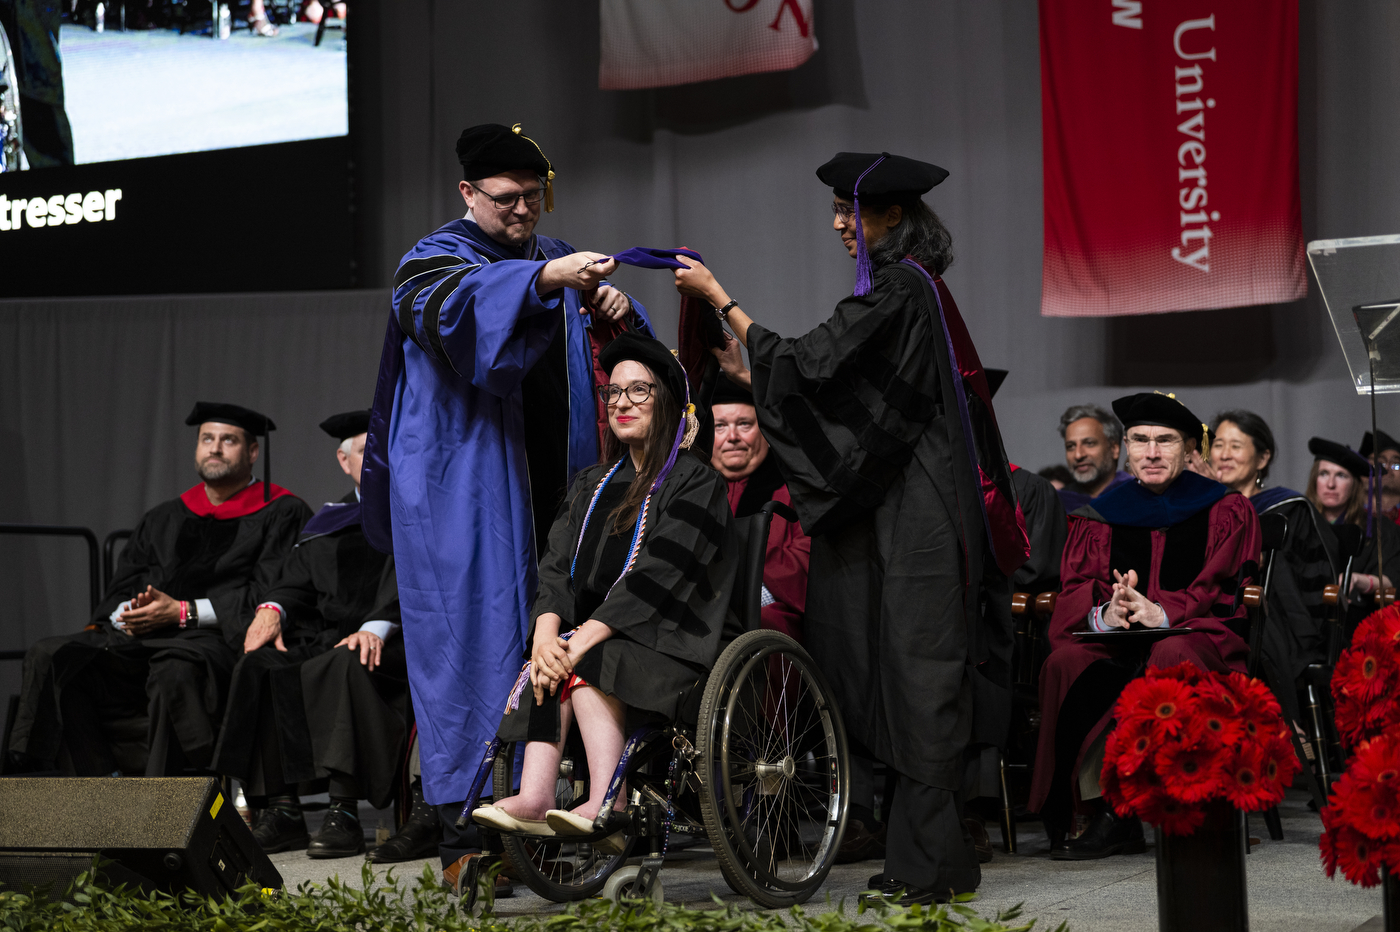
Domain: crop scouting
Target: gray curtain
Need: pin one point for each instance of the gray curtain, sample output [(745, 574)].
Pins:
[(94, 391)]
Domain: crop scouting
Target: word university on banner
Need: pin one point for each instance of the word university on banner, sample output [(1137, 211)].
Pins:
[(658, 43), (1170, 140)]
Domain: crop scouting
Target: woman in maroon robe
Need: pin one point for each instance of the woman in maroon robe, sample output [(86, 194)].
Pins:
[(1173, 548)]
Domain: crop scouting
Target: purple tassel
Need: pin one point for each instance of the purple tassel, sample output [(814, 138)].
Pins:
[(864, 278)]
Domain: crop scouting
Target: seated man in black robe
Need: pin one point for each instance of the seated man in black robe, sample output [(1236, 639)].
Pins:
[(163, 640), (300, 709), (752, 479)]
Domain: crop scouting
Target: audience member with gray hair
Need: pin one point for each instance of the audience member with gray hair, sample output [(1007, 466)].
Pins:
[(1093, 438)]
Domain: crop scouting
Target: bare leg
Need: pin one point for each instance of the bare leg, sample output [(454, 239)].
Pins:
[(540, 772), (600, 721)]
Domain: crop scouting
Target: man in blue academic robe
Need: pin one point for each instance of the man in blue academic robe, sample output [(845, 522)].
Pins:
[(486, 406)]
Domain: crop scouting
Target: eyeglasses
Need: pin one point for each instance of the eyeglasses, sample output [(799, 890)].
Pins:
[(1163, 443), (1391, 466), (637, 393), (507, 201), (844, 211)]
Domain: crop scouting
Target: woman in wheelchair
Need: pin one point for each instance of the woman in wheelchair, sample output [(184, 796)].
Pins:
[(634, 594)]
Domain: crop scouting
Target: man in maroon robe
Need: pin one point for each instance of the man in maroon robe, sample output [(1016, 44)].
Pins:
[(1171, 549), (740, 455)]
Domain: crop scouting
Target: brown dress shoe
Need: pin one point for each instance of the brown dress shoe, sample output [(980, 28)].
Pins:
[(980, 842), (454, 873)]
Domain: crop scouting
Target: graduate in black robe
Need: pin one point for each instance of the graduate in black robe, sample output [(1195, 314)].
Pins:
[(156, 658), (322, 689), (638, 576), (882, 421)]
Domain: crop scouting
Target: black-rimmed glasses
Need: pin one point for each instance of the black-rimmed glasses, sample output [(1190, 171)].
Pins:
[(507, 201), (844, 211), (637, 393)]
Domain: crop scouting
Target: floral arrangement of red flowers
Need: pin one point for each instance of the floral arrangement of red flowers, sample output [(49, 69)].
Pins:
[(1361, 823), (1186, 736)]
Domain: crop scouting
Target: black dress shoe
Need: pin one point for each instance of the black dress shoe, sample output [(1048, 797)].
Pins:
[(898, 893), (861, 844), (419, 837), (341, 836), (1107, 835), (277, 830)]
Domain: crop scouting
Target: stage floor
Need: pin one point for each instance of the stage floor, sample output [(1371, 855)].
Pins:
[(155, 92), (1287, 889)]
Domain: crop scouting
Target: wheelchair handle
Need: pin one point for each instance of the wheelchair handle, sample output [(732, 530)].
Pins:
[(1045, 603), (778, 508), (1020, 601), (1253, 596)]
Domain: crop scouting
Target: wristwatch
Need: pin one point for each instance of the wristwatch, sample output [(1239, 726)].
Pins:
[(723, 312)]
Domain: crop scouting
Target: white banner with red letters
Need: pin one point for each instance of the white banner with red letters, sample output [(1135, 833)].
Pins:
[(658, 43), (1170, 133)]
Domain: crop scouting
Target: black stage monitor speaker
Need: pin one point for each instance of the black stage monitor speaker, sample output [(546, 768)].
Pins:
[(161, 833)]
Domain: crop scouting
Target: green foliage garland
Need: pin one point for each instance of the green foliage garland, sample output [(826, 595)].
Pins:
[(91, 905)]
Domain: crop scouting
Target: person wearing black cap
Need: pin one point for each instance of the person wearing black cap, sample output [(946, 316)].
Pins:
[(882, 420), (1172, 549), (1383, 451), (168, 630), (301, 710), (1339, 487), (752, 478), (644, 539), (484, 410)]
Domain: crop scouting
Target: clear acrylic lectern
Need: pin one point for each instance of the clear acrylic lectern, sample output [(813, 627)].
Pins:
[(1360, 283)]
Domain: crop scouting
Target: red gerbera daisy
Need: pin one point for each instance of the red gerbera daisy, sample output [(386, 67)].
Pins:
[(1132, 744), (1279, 767), (1360, 858), (1367, 671), (1163, 702), (1190, 773), (1245, 786), (1187, 673), (1172, 816)]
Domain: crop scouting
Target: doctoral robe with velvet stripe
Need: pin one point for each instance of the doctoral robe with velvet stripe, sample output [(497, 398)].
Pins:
[(1194, 547), (670, 613), (907, 611), (446, 482)]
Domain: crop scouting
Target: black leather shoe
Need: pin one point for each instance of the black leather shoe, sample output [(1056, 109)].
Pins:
[(861, 844), (897, 893), (419, 837), (277, 830), (341, 836), (980, 842), (1107, 835)]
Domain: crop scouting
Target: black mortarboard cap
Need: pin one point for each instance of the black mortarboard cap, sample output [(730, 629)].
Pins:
[(1341, 454), (246, 418), (1156, 409), (894, 176), (490, 149), (347, 425), (994, 379), (727, 392), (1378, 444), (651, 353), (249, 420)]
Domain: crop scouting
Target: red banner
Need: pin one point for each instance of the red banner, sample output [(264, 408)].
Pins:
[(657, 43), (1170, 134)]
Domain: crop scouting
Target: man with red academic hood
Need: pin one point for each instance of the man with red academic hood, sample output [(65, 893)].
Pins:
[(167, 633), (1169, 549), (740, 455)]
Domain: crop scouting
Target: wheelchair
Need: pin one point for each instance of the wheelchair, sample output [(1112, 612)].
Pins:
[(760, 770)]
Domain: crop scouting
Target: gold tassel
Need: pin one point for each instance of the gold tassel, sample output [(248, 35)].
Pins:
[(549, 172), (1205, 443), (692, 427)]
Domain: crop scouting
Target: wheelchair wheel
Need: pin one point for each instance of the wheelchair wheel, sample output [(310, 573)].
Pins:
[(557, 869), (774, 769)]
